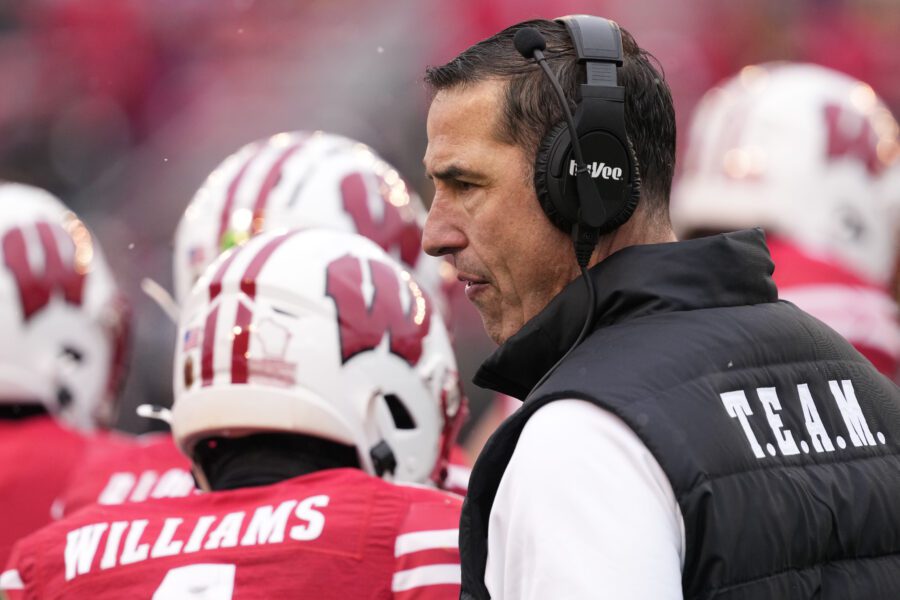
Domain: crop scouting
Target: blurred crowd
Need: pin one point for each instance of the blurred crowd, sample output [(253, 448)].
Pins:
[(122, 108)]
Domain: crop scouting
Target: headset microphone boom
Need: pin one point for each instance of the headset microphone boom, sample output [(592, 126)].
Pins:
[(593, 206)]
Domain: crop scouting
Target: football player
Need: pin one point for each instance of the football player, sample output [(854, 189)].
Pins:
[(307, 179), (295, 180), (321, 373), (63, 327), (299, 180), (811, 155)]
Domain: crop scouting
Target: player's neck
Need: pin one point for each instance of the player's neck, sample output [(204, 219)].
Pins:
[(264, 459), (254, 473), (18, 412)]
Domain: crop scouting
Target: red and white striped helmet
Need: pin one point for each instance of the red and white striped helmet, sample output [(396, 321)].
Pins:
[(63, 322), (320, 333), (807, 152), (301, 180)]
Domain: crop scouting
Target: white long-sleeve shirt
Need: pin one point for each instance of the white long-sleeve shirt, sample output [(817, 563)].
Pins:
[(583, 511)]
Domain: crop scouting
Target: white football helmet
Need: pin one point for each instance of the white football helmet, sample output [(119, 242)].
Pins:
[(320, 333), (803, 151), (63, 322), (301, 180)]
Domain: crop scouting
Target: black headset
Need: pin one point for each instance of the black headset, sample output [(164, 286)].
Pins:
[(585, 173), (592, 185)]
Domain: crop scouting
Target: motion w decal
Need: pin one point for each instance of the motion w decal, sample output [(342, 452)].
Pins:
[(362, 327), (58, 275)]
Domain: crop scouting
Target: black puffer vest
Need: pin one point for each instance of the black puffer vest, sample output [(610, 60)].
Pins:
[(779, 439)]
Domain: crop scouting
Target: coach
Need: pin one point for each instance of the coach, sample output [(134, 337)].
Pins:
[(704, 440)]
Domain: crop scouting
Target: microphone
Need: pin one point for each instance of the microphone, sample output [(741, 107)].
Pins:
[(529, 42)]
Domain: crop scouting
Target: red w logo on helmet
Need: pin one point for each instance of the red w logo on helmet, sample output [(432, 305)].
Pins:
[(852, 135), (393, 230), (58, 275), (362, 326)]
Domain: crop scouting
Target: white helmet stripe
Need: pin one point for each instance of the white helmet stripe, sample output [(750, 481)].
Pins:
[(244, 316), (271, 180), (209, 328), (225, 216), (240, 332)]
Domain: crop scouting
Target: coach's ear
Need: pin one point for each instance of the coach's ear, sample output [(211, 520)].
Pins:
[(199, 478)]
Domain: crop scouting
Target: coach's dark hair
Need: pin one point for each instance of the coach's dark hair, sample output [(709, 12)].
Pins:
[(531, 108)]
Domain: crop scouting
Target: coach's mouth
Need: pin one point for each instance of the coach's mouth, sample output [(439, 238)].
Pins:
[(474, 285)]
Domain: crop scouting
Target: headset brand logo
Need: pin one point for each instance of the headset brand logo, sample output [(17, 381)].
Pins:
[(599, 170)]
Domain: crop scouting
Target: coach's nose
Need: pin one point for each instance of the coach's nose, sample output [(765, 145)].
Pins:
[(443, 233)]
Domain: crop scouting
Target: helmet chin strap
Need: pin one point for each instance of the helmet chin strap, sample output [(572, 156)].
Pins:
[(200, 477), (383, 459), (63, 397)]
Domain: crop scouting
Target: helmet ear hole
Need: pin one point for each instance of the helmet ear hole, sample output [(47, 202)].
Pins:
[(399, 413)]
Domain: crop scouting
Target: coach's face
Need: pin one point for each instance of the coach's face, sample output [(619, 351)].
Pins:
[(485, 213)]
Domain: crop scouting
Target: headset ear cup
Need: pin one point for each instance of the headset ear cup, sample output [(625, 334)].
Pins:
[(550, 204), (634, 195), (541, 183)]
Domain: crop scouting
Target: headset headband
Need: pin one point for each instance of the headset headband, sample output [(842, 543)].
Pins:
[(598, 44)]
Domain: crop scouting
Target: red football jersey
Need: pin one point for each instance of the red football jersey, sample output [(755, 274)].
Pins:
[(37, 455), (118, 468), (337, 533), (862, 312)]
